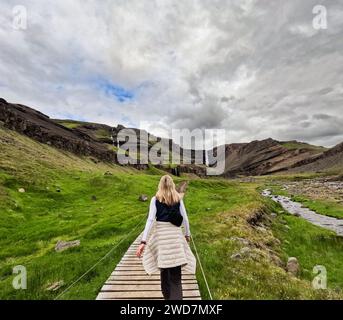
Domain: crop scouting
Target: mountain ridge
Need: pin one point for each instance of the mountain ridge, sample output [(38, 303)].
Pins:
[(258, 157)]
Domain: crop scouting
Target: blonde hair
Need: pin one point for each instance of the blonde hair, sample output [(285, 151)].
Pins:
[(167, 192)]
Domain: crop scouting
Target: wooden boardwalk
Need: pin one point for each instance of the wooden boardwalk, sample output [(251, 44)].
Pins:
[(129, 281)]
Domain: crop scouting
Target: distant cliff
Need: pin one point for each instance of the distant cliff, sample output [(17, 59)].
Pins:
[(96, 140)]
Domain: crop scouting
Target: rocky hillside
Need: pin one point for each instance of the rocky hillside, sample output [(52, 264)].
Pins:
[(41, 128), (96, 141), (329, 160), (81, 138), (266, 157)]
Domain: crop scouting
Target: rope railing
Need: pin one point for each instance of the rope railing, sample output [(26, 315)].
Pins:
[(202, 269), (98, 262)]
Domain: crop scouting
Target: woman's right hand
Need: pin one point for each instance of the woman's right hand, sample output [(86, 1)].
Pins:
[(140, 250)]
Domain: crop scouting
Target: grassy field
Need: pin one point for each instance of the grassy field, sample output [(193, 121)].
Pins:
[(69, 198), (312, 246), (260, 276)]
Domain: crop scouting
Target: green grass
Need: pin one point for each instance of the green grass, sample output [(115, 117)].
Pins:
[(40, 217), (102, 133), (312, 246), (32, 222), (294, 145), (69, 124), (98, 133)]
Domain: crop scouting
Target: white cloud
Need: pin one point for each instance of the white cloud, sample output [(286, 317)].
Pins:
[(305, 30), (255, 68)]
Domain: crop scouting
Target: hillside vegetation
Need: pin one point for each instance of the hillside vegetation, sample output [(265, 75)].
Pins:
[(72, 198), (296, 145)]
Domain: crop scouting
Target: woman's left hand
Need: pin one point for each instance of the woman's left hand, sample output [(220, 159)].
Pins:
[(188, 238), (140, 250)]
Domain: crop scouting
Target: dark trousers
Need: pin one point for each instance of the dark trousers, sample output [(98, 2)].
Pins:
[(171, 283)]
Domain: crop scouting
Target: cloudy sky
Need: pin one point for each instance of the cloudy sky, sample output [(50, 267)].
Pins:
[(258, 69)]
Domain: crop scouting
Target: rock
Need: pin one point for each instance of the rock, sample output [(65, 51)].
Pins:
[(63, 245), (243, 241), (273, 215), (94, 160), (21, 190), (236, 256), (277, 260), (58, 190), (245, 251), (293, 266), (143, 198), (55, 286), (277, 241), (261, 229)]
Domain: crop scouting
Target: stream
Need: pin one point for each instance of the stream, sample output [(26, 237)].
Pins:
[(297, 209)]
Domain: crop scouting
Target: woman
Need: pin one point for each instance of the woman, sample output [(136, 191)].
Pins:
[(166, 248)]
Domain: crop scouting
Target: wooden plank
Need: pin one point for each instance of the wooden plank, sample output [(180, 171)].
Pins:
[(130, 295), (128, 259), (126, 262), (144, 294), (157, 281), (109, 299), (142, 287), (132, 256), (130, 272), (144, 277), (133, 272), (139, 267), (132, 277)]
